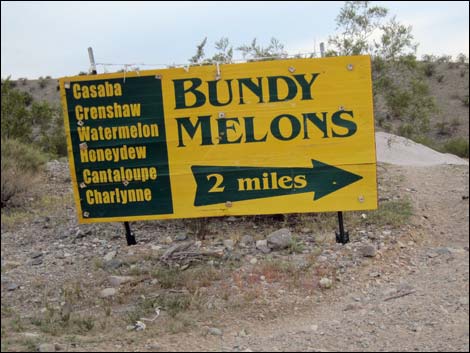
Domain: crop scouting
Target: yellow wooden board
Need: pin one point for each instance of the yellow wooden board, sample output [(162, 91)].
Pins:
[(265, 137)]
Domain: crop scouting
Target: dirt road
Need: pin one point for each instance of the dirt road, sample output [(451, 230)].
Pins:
[(415, 302)]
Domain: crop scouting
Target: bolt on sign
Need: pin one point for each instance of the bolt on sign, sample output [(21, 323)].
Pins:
[(238, 139)]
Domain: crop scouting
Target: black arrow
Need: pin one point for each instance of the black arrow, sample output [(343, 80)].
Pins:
[(218, 184)]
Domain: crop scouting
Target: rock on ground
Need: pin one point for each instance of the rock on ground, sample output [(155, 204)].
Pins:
[(280, 239)]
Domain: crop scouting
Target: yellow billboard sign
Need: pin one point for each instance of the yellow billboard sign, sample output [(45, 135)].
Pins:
[(237, 139)]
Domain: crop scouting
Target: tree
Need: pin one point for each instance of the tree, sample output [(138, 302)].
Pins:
[(397, 80), (275, 50), (396, 41), (358, 22), (224, 53), (199, 56)]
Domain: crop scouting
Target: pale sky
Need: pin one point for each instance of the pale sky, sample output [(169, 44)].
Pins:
[(51, 38)]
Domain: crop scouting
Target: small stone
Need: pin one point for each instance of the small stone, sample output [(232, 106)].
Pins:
[(235, 256), (215, 331), (116, 281), (168, 240), (109, 256), (374, 274), (352, 306), (243, 333), (181, 237), (130, 327), (305, 230), (12, 286), (36, 262), (442, 251), (254, 261), (463, 301), (112, 265), (280, 239), (154, 346), (46, 347), (30, 335), (37, 254), (368, 250), (262, 245), (326, 283), (229, 244), (247, 240), (231, 219), (9, 265), (387, 232), (372, 236), (108, 292), (314, 328)]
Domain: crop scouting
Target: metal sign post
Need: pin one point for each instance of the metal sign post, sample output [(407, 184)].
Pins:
[(343, 236)]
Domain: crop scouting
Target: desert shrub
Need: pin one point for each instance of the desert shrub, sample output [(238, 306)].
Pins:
[(444, 128), (41, 114), (54, 141), (462, 58), (399, 101), (406, 130), (465, 100), (15, 115), (20, 167), (429, 69), (444, 59), (457, 146), (51, 137), (428, 58), (42, 82)]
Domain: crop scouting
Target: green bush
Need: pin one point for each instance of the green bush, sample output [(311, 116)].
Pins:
[(406, 130), (54, 142), (42, 82), (457, 146), (444, 128), (465, 100), (15, 115), (429, 69), (462, 58), (20, 166)]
